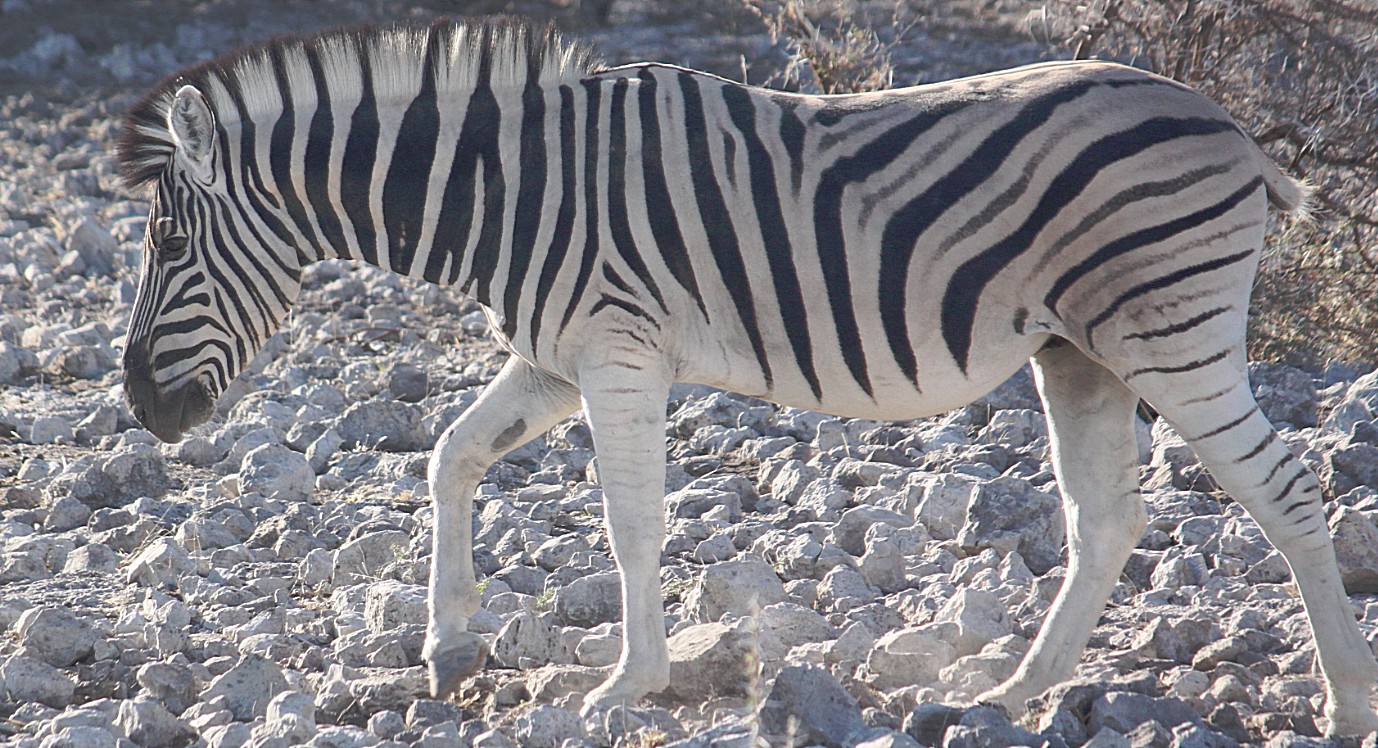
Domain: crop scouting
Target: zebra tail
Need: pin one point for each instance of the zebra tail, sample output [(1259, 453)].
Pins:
[(1285, 193)]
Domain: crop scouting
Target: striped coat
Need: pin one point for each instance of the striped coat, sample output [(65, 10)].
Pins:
[(884, 255)]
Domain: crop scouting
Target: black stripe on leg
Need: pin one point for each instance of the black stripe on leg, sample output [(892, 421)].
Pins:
[(1181, 368), (1304, 502), (1295, 506), (1212, 396), (1302, 472), (1286, 458), (1230, 425), (1258, 449)]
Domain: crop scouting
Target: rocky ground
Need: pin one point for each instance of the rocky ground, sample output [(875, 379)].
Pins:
[(828, 582)]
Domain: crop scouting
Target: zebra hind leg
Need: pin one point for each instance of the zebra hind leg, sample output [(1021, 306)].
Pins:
[(1090, 416), (520, 403), (1250, 461)]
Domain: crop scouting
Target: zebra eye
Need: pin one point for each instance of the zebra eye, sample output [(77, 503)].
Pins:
[(172, 246), (167, 240)]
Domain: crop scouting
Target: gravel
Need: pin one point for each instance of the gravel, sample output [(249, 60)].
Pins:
[(807, 700), (852, 582)]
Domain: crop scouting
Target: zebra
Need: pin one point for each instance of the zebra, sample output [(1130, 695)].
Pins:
[(886, 255)]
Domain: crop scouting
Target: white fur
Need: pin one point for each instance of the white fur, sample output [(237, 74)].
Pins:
[(193, 131)]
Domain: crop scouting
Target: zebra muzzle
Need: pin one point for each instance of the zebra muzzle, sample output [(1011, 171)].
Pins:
[(167, 413)]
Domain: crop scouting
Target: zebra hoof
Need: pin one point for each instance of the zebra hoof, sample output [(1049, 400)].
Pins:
[(1354, 720), (1006, 697), (449, 667)]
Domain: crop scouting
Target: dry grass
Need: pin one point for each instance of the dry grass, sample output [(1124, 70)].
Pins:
[(837, 47)]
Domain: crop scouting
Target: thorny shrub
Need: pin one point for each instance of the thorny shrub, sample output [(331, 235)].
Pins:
[(1300, 75), (837, 47)]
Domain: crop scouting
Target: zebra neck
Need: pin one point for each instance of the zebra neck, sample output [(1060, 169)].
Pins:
[(411, 187)]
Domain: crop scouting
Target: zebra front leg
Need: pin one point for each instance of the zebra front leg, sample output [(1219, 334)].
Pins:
[(520, 403), (625, 405), (1091, 424)]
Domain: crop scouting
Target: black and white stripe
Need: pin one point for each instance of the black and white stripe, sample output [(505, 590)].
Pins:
[(884, 255), (494, 159)]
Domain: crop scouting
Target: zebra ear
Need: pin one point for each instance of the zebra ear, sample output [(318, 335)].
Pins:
[(193, 128)]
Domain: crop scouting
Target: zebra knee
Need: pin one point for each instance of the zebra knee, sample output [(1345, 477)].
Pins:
[(1104, 533), (454, 462), (1134, 521)]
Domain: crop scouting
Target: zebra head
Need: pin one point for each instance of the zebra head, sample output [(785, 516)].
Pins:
[(215, 284)]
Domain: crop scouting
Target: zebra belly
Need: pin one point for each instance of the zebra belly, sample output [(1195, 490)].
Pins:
[(943, 387)]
